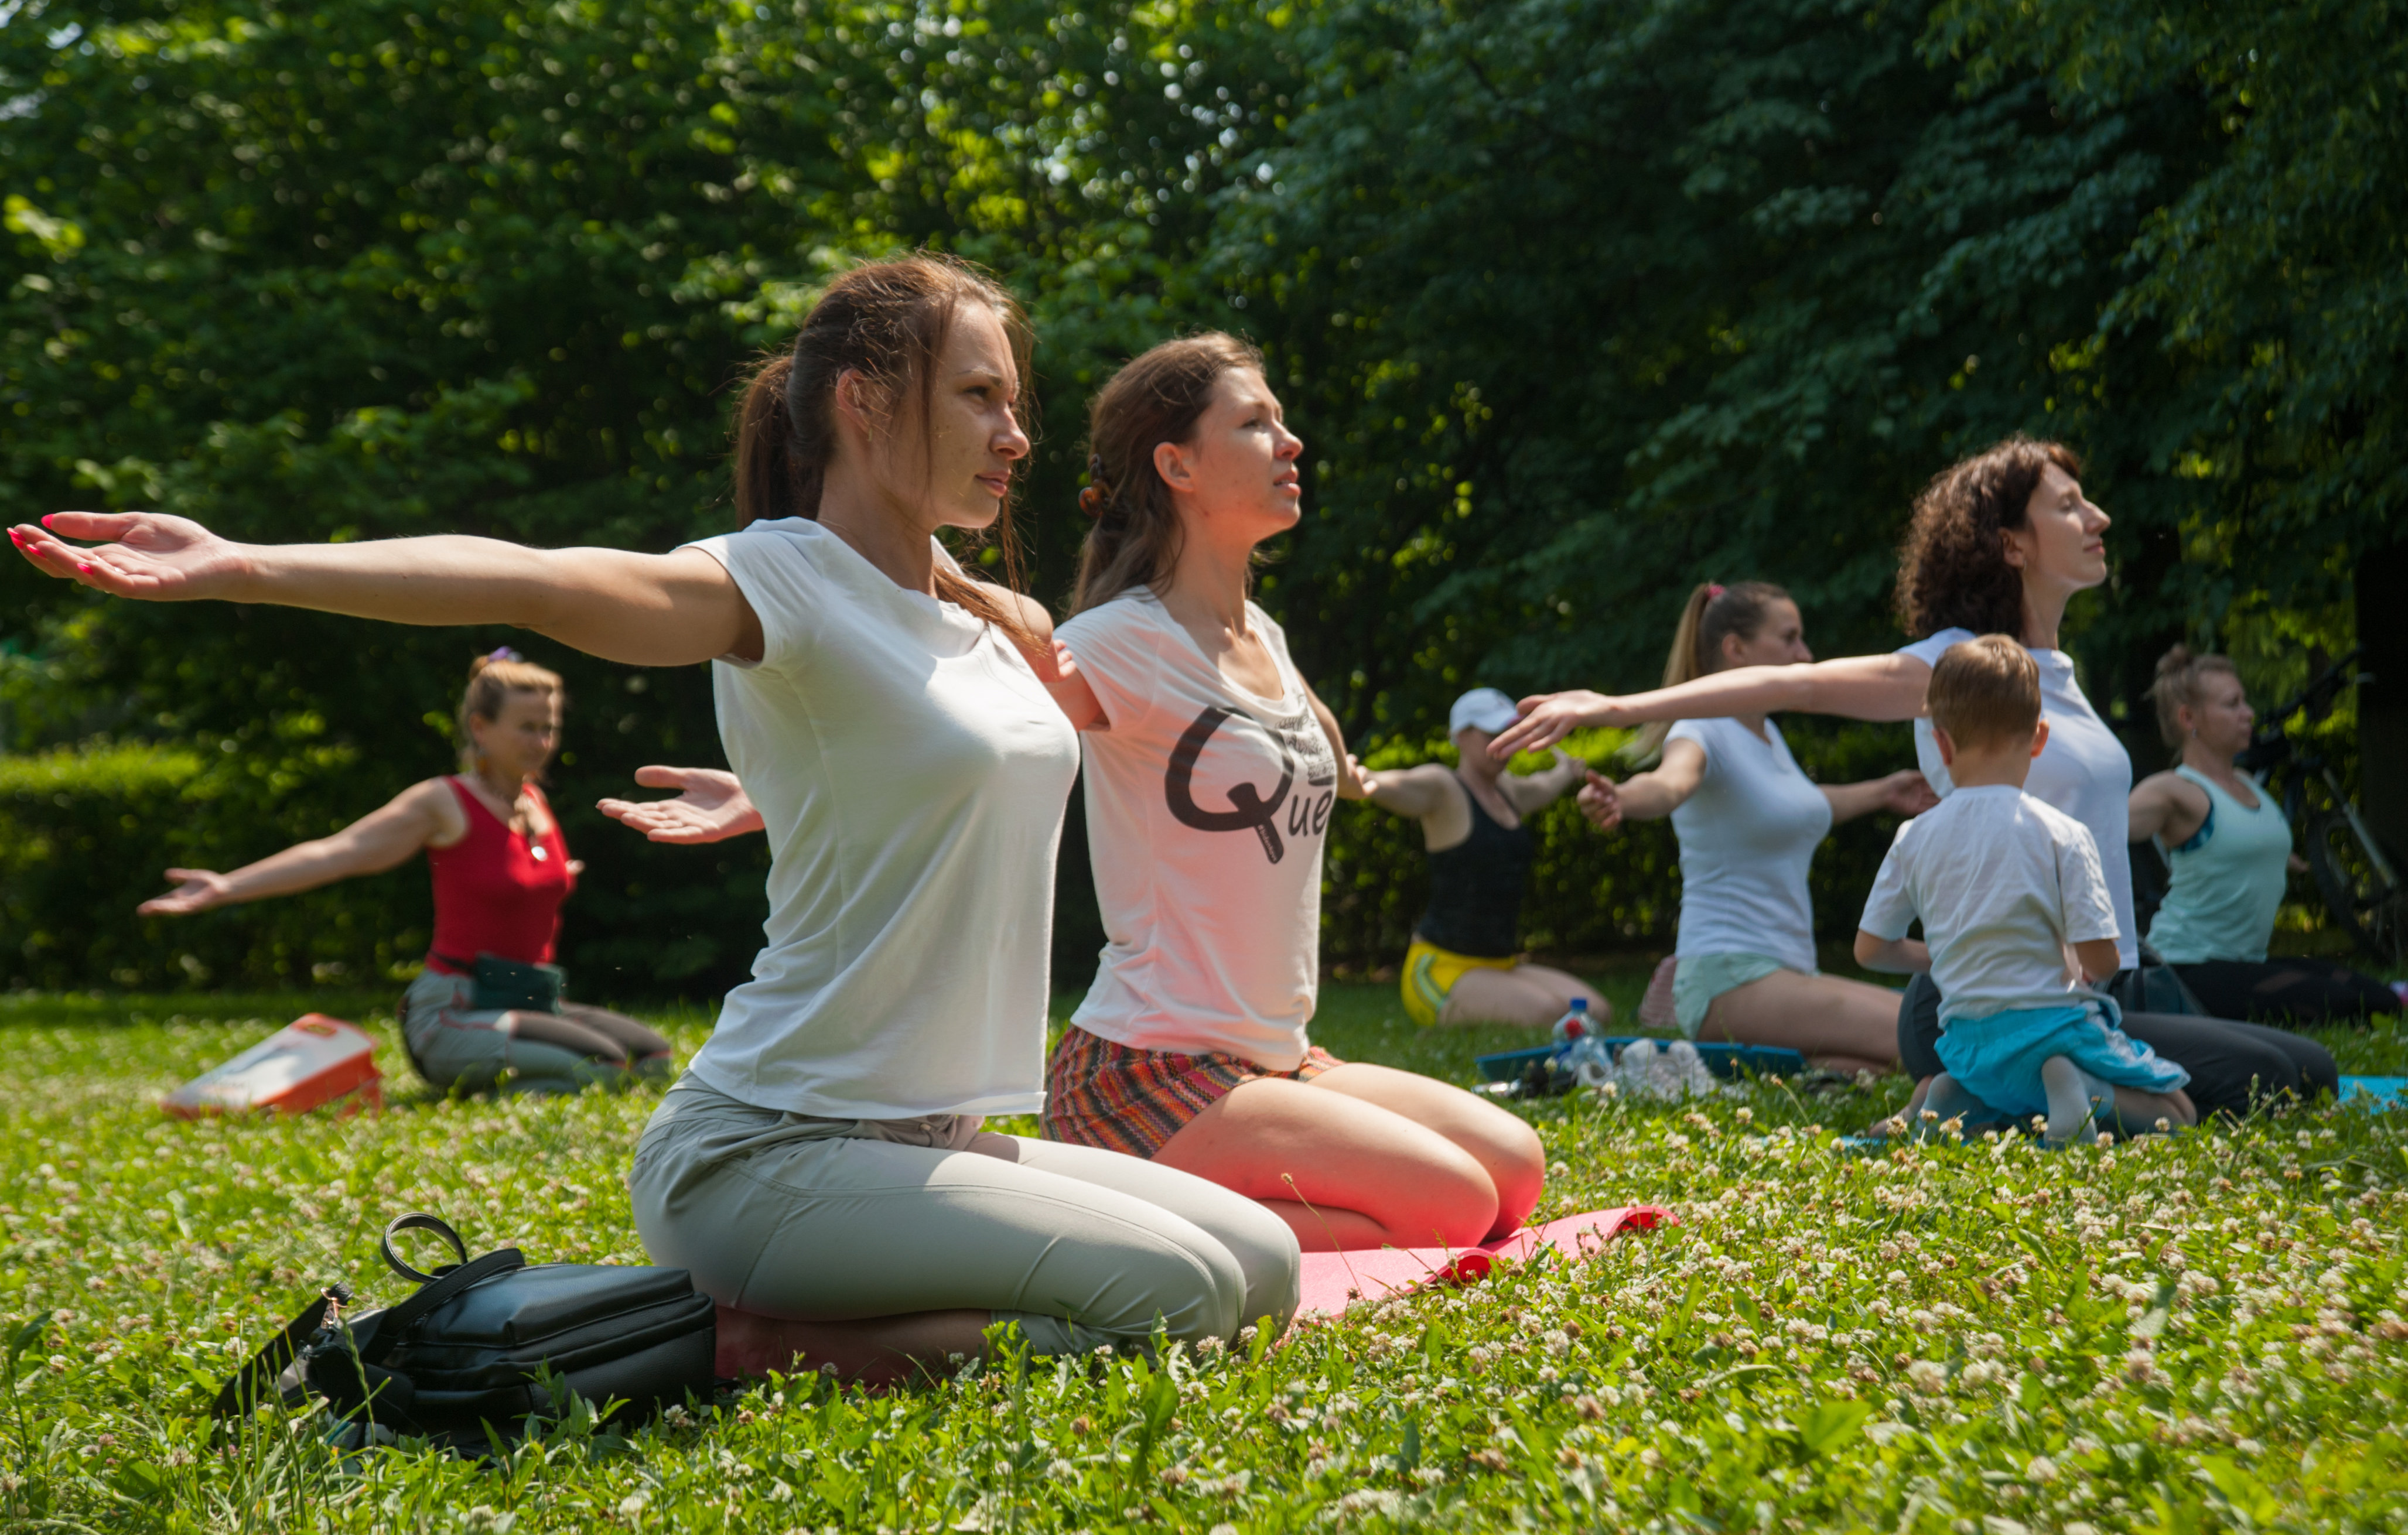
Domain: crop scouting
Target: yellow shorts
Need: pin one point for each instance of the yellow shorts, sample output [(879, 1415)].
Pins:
[(1431, 973)]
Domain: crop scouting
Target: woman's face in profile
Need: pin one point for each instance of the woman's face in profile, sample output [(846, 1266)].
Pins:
[(2222, 719), (2064, 537), (1779, 641)]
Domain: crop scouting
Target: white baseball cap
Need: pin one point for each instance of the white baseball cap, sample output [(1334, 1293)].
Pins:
[(1482, 708)]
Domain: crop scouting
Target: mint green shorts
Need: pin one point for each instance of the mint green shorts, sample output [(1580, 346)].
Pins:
[(1699, 978)]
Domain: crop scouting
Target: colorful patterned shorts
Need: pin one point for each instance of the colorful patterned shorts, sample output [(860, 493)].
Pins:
[(1101, 1093)]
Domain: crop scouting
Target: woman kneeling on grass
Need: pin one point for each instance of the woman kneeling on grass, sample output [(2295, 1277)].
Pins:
[(501, 872), (1749, 822), (1211, 773), (821, 1167)]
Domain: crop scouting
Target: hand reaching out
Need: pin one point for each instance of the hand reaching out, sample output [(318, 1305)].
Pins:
[(1600, 801), (1549, 717), (1353, 781), (1906, 792), (156, 557), (196, 890), (712, 807)]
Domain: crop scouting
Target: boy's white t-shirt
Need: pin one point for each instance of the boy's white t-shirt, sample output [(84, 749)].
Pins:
[(1206, 809), (2002, 882), (1747, 836), (2083, 772), (911, 773)]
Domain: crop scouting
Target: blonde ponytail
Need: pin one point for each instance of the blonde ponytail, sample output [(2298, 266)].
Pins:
[(1712, 613)]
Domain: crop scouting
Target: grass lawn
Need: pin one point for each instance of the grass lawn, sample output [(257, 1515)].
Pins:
[(1980, 1339)]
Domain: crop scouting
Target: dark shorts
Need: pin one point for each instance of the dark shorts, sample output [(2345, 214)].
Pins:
[(1123, 1100)]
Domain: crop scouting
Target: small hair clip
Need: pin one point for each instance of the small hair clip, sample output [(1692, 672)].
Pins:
[(1714, 590), (505, 654)]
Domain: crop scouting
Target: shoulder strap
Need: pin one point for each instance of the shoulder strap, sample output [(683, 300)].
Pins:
[(258, 1376), (419, 1220), (393, 1324)]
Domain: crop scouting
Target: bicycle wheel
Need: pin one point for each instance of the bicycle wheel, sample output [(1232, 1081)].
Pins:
[(2366, 905)]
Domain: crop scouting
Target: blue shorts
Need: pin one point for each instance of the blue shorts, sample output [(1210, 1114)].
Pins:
[(1998, 1058)]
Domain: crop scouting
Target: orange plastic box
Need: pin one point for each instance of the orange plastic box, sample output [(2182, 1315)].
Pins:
[(311, 1061)]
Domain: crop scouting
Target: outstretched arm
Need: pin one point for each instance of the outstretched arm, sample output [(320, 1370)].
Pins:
[(1649, 795), (1906, 792), (2168, 807), (1353, 782), (1415, 792), (1858, 687), (712, 807), (645, 609), (1533, 792), (422, 814)]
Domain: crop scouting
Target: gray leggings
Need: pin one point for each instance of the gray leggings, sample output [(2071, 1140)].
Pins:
[(828, 1220), (454, 1046)]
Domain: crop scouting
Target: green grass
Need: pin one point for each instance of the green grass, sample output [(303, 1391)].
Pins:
[(1980, 1340)]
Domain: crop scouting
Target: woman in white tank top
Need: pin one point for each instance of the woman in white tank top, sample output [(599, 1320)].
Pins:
[(2228, 846)]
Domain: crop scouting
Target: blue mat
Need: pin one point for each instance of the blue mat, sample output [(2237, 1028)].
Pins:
[(1723, 1060), (2378, 1093)]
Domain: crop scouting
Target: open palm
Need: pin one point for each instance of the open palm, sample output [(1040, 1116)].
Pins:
[(196, 890), (712, 808), (149, 555)]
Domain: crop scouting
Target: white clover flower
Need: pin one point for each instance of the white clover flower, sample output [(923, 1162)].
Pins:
[(634, 1504), (2042, 1469), (1927, 1376)]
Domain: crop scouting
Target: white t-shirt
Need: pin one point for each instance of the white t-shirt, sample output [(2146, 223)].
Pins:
[(2003, 883), (912, 772), (1747, 836), (2083, 772), (1206, 809)]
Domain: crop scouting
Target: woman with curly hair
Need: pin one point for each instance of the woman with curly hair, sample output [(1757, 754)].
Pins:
[(1999, 543)]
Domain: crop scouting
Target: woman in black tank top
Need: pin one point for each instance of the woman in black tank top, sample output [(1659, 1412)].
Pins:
[(1465, 966)]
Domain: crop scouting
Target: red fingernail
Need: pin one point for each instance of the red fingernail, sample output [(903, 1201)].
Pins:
[(46, 520), (84, 569)]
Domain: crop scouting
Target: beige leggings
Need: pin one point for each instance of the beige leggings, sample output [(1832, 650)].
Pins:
[(786, 1215)]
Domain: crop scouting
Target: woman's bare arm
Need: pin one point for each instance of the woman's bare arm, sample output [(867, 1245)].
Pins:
[(1353, 782), (1530, 793), (644, 610), (377, 841), (1857, 687), (710, 806), (1646, 796), (2166, 806), (1415, 792)]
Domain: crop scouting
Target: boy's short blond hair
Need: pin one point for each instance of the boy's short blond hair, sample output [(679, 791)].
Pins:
[(1985, 691)]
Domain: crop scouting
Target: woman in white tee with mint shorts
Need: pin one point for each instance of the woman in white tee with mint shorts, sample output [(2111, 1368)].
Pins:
[(1749, 822), (821, 1167), (2000, 543)]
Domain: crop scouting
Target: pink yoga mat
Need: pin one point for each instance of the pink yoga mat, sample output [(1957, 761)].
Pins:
[(1334, 1281)]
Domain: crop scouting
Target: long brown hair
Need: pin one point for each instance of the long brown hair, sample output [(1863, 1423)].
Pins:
[(888, 320), (1953, 571), (1712, 613), (1155, 399)]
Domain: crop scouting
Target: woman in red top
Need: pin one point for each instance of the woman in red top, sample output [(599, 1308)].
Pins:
[(501, 872)]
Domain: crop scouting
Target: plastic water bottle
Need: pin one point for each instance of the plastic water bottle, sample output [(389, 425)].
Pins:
[(1574, 1023)]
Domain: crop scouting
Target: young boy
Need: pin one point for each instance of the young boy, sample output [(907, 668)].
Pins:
[(2004, 885)]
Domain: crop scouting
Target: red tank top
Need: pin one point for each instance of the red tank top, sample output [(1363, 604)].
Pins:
[(495, 892)]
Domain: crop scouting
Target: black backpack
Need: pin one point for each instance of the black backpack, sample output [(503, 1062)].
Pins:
[(489, 1343)]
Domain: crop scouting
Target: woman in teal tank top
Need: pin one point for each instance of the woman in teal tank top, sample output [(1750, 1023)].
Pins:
[(2227, 846)]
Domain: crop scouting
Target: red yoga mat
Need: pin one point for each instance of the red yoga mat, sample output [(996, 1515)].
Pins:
[(1335, 1281)]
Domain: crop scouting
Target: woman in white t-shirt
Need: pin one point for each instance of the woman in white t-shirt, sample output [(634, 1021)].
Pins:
[(1999, 543), (1749, 821), (820, 1169), (1211, 772)]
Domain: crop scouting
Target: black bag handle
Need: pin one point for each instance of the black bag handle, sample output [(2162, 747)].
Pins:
[(449, 1279), (419, 1220)]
